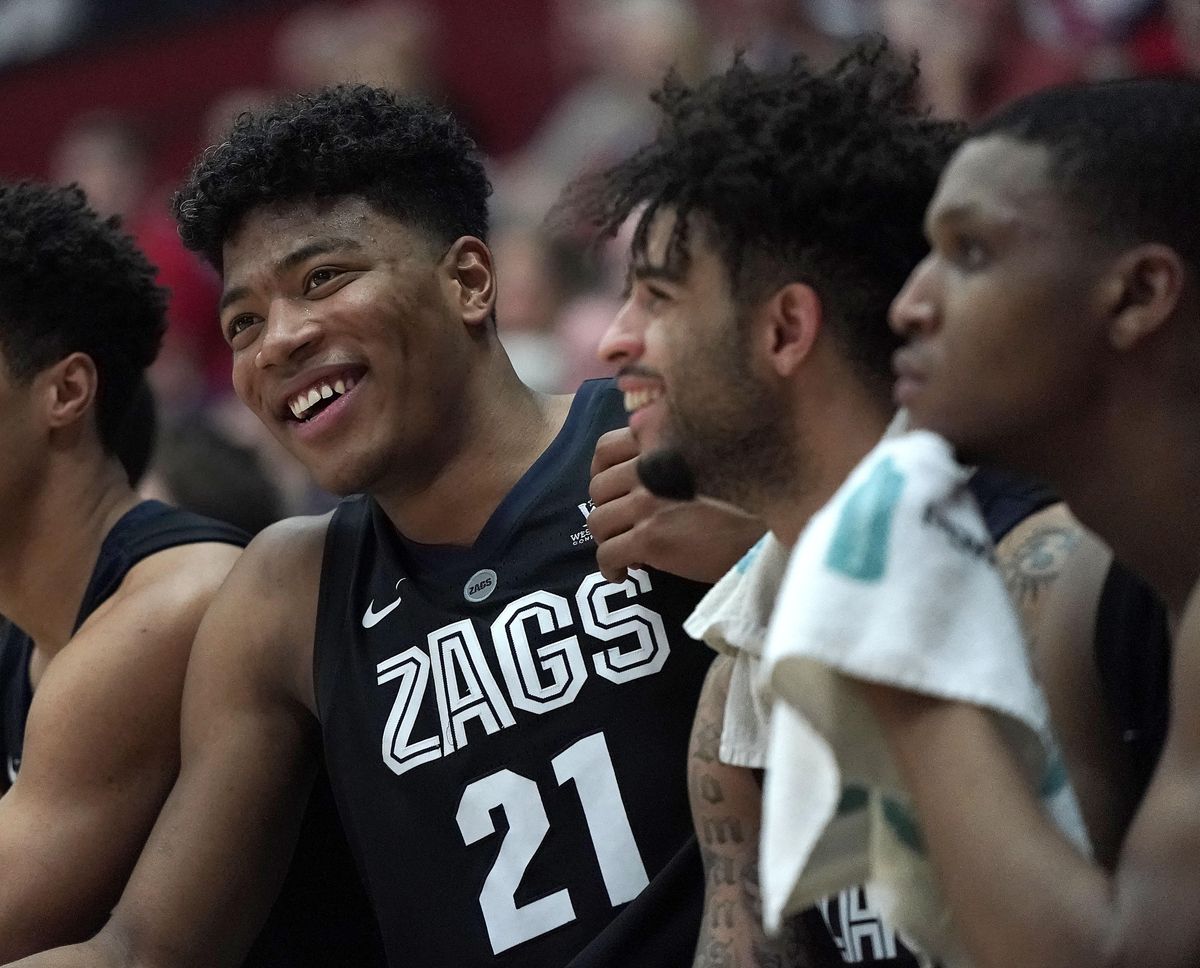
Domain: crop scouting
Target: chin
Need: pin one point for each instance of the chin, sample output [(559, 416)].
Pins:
[(343, 481), (967, 451)]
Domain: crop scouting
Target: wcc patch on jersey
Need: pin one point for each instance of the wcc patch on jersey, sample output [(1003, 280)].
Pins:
[(507, 744)]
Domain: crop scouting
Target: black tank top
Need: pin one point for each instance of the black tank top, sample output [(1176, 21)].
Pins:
[(1132, 636), (1133, 657), (506, 732), (321, 919), (145, 529)]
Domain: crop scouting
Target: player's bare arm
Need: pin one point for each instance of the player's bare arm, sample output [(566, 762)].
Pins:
[(700, 539), (217, 854), (1055, 570), (101, 751), (727, 811), (1042, 904)]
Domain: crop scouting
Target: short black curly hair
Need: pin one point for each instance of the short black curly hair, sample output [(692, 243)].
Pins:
[(797, 175), (72, 282), (1123, 154), (406, 157)]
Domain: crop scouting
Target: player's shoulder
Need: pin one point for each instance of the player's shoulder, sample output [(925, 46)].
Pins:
[(260, 626), (1050, 530), (288, 553), (1187, 635)]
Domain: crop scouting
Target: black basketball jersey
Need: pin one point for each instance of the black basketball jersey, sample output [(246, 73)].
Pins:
[(1133, 659), (321, 919), (145, 529), (506, 731)]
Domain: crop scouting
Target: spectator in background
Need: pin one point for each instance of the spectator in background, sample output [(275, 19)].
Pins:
[(380, 43), (625, 47), (979, 54), (974, 53), (32, 28), (198, 468), (529, 303), (1185, 18), (771, 32), (107, 155)]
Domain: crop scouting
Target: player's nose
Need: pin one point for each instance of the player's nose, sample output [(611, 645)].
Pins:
[(287, 332), (623, 340), (915, 307)]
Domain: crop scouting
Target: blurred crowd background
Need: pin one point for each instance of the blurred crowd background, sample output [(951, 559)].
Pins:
[(118, 95)]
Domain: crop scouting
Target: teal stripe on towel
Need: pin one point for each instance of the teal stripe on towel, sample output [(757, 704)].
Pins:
[(859, 548), (904, 825)]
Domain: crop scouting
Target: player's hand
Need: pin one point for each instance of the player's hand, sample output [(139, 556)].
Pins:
[(700, 539)]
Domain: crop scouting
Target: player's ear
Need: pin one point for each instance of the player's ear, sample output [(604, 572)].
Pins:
[(1143, 291), (68, 389), (472, 279), (793, 320)]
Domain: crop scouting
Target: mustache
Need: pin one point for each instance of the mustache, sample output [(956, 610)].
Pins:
[(636, 369)]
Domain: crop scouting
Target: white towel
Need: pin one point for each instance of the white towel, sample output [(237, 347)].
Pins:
[(732, 619), (893, 581)]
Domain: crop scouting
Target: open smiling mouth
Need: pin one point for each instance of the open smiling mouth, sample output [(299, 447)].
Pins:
[(306, 405), (635, 400)]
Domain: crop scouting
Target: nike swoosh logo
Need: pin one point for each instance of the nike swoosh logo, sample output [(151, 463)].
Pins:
[(371, 618)]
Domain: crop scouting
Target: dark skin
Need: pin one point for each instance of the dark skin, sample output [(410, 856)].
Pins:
[(438, 387), (297, 312), (633, 527), (727, 813), (1107, 351), (101, 742), (655, 340)]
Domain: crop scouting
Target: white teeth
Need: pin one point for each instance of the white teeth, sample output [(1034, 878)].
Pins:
[(636, 399), (302, 402)]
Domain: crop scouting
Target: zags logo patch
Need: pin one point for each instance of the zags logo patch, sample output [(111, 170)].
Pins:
[(480, 585)]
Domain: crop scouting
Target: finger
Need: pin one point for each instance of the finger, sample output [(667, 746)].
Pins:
[(620, 515), (617, 555), (614, 482), (614, 447)]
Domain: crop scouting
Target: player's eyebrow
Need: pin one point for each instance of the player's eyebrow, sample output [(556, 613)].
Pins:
[(321, 246), (970, 211), (948, 213), (644, 270)]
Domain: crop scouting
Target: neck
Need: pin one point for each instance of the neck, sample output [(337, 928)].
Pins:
[(845, 427), (48, 555), (1138, 492), (503, 427)]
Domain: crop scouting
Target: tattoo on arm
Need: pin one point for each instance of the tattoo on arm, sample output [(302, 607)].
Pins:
[(711, 953), (706, 740), (1038, 561), (726, 820)]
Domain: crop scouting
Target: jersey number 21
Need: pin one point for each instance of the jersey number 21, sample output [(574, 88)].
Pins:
[(588, 764)]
